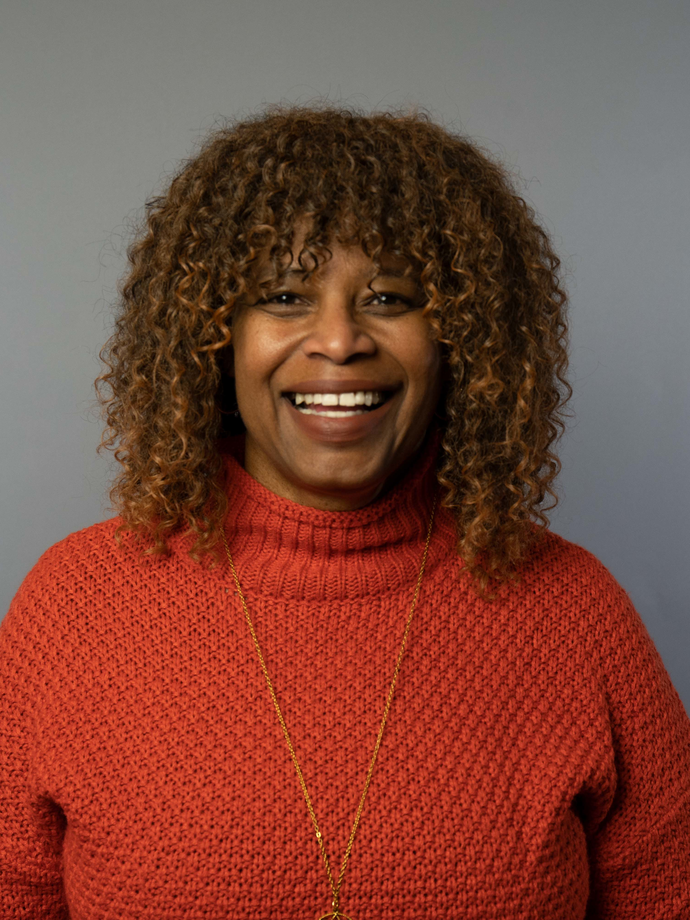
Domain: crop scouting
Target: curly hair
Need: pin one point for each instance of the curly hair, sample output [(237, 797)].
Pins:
[(388, 180)]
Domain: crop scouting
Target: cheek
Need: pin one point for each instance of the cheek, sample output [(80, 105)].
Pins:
[(425, 370), (253, 356)]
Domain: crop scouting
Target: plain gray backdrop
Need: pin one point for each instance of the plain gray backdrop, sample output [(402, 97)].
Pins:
[(588, 100)]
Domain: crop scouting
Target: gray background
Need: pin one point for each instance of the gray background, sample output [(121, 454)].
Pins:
[(588, 99)]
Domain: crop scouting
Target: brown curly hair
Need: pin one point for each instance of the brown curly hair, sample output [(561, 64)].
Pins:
[(390, 180)]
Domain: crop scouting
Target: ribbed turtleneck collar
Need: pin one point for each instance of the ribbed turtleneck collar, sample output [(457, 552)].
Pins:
[(293, 551)]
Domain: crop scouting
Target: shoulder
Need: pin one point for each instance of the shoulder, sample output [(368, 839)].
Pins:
[(569, 570), (75, 559), (86, 544), (569, 586), (79, 573), (566, 591)]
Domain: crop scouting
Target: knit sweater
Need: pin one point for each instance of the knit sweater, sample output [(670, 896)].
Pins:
[(536, 761)]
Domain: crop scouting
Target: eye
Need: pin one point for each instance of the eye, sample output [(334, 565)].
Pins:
[(284, 298), (282, 303), (388, 302)]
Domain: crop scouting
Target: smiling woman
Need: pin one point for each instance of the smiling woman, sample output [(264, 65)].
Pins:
[(328, 661), (273, 194), (337, 376)]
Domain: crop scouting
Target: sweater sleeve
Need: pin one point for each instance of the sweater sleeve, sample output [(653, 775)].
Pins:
[(31, 825), (640, 854)]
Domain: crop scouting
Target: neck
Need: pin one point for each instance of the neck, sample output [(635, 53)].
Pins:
[(294, 550)]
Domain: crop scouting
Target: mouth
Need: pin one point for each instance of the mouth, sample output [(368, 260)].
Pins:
[(338, 405)]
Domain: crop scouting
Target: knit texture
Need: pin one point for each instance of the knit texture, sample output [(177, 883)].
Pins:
[(536, 762)]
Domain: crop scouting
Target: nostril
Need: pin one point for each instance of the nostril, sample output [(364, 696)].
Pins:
[(339, 341)]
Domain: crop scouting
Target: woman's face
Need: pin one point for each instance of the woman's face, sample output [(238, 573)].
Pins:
[(337, 378)]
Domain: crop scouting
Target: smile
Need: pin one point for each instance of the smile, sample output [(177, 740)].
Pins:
[(338, 405)]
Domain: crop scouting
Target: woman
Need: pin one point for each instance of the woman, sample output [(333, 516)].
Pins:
[(328, 661)]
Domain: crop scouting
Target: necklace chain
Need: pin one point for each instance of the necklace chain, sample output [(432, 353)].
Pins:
[(335, 912)]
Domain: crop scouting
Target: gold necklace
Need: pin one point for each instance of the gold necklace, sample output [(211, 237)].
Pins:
[(335, 913)]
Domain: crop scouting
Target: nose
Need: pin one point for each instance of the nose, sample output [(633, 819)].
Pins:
[(337, 333)]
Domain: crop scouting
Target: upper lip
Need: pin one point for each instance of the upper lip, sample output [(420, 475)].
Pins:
[(340, 386)]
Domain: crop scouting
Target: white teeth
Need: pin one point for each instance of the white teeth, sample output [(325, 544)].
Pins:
[(358, 398), (329, 413)]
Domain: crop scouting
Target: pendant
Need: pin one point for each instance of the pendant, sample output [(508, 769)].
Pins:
[(335, 915)]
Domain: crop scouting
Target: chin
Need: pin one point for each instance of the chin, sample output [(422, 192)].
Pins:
[(334, 483), (337, 487)]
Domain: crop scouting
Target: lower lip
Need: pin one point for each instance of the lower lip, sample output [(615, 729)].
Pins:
[(338, 430)]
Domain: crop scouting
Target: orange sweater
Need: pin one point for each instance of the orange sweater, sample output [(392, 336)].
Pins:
[(536, 762)]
